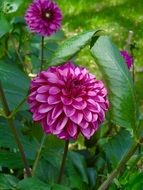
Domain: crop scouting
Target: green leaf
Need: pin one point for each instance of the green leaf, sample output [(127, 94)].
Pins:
[(59, 187), (10, 160), (74, 176), (92, 175), (117, 146), (32, 184), (135, 182), (119, 82), (10, 6), (79, 163), (15, 84), (30, 144), (7, 182), (5, 26), (49, 174), (71, 47)]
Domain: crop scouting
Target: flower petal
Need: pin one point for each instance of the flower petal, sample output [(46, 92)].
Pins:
[(72, 129), (41, 98), (44, 108), (57, 111), (53, 100), (54, 90), (77, 117), (69, 110)]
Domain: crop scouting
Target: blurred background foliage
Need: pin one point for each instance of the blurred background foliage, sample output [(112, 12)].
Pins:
[(89, 162)]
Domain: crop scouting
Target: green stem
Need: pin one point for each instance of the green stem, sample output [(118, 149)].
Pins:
[(42, 53), (13, 129), (120, 167), (63, 162), (17, 52), (38, 155)]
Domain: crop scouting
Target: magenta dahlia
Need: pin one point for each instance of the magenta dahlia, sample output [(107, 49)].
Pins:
[(43, 17), (67, 100), (127, 58)]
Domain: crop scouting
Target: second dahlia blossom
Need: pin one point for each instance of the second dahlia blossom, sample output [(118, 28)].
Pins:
[(127, 58), (67, 100), (43, 17)]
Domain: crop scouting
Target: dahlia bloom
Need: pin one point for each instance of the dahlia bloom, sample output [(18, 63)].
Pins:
[(127, 58), (67, 100), (43, 17)]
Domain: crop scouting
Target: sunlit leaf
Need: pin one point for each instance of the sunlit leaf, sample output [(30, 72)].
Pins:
[(120, 86)]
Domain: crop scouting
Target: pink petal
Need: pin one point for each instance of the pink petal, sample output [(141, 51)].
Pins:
[(79, 105), (43, 89), (37, 116), (101, 115), (41, 98), (61, 123), (77, 117), (54, 90), (44, 108), (99, 99), (77, 71), (94, 107), (92, 93), (57, 111), (66, 100), (72, 129), (53, 99), (84, 124), (87, 115), (86, 132), (69, 110), (63, 135), (64, 72), (94, 117), (45, 127)]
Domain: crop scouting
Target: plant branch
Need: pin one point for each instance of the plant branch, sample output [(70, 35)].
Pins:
[(120, 167), (13, 129), (38, 155), (42, 53), (63, 162), (17, 52)]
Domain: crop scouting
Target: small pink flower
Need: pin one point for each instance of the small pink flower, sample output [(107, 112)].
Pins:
[(43, 17), (127, 57), (67, 100)]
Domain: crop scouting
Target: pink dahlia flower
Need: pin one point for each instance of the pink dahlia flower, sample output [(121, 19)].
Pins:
[(127, 58), (43, 17), (67, 100)]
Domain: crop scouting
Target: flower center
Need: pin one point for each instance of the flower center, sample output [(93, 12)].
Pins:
[(48, 15)]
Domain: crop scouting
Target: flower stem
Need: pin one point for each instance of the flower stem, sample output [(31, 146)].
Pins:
[(13, 129), (42, 53), (63, 162), (38, 155), (120, 167)]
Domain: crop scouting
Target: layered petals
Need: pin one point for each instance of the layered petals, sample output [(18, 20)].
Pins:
[(68, 100), (43, 17)]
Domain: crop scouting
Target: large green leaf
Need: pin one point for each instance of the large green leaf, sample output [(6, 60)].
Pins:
[(59, 187), (29, 143), (135, 181), (15, 84), (79, 163), (32, 184), (10, 160), (7, 182), (117, 146), (71, 47), (119, 82)]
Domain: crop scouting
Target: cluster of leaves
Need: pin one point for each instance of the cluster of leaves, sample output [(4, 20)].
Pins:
[(88, 162)]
